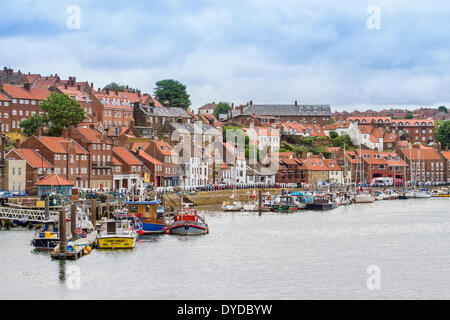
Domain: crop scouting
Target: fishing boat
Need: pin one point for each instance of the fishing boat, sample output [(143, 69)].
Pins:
[(391, 195), (435, 193), (288, 203), (187, 222), (117, 234), (250, 206), (323, 202), (48, 236), (153, 220)]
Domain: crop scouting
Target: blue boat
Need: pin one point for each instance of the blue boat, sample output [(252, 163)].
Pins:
[(48, 236), (153, 220)]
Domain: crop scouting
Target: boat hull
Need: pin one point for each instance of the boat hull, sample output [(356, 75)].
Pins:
[(116, 242), (45, 244), (153, 228), (321, 206), (187, 228)]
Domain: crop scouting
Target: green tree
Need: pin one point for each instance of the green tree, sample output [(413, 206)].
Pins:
[(29, 126), (119, 87), (409, 115), (443, 108), (221, 108), (62, 112), (333, 134), (339, 141), (172, 91), (443, 134)]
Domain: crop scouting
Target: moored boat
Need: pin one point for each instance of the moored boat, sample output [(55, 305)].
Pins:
[(288, 203), (153, 220), (232, 206), (364, 197), (422, 194), (187, 222), (48, 236), (117, 234), (323, 202)]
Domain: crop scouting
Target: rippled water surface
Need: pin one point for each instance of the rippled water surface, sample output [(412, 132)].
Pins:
[(306, 255)]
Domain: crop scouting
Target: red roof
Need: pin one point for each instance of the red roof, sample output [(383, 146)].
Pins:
[(33, 158), (426, 153), (54, 180), (3, 98), (126, 156), (19, 92), (446, 154), (332, 165), (149, 158), (91, 135), (61, 145), (315, 164)]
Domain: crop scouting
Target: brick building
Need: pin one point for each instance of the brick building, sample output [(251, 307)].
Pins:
[(426, 163)]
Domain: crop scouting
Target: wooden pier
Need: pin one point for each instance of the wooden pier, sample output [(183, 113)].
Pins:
[(80, 245)]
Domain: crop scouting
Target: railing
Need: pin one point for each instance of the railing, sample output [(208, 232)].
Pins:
[(27, 215)]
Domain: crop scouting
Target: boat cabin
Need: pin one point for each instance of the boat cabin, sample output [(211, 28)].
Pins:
[(146, 209)]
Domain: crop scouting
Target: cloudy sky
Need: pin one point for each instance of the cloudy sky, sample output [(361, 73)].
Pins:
[(316, 52)]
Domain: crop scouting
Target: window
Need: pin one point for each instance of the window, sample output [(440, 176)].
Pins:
[(57, 157), (33, 102), (14, 112)]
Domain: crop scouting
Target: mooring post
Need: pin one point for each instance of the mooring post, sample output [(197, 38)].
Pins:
[(94, 212), (73, 221), (259, 201), (62, 231), (47, 208)]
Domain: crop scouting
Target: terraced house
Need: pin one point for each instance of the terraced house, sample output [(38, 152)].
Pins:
[(68, 158), (100, 155)]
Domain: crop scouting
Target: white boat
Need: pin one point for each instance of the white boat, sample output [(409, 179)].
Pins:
[(364, 198), (232, 206), (380, 195), (390, 195), (251, 206), (435, 193), (422, 194)]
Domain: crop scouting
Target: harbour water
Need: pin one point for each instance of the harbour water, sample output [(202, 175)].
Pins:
[(305, 255)]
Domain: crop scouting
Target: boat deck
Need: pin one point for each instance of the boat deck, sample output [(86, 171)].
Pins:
[(80, 246)]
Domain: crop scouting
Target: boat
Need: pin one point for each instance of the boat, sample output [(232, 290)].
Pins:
[(380, 195), (346, 200), (187, 222), (323, 202), (435, 193), (232, 206), (250, 206), (422, 194), (364, 197), (444, 193), (117, 234), (48, 236), (390, 195), (153, 221), (288, 203)]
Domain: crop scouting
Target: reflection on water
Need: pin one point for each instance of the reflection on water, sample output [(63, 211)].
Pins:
[(247, 255)]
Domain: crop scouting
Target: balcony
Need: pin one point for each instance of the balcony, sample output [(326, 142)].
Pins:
[(106, 164)]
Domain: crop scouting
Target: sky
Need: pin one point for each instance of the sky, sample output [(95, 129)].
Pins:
[(349, 54)]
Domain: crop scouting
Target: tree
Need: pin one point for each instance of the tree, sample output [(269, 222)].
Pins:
[(62, 112), (443, 134), (443, 108), (221, 108), (409, 115), (339, 141), (119, 87), (29, 126), (333, 134), (172, 91)]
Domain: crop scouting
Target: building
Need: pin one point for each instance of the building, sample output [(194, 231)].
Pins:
[(335, 173), (446, 158), (207, 108), (265, 138), (100, 151), (426, 164), (164, 153), (54, 183), (68, 158), (315, 171), (154, 166), (114, 108), (15, 175), (314, 114), (21, 102), (289, 169), (36, 166), (131, 173)]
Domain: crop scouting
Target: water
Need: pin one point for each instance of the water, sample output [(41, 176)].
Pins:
[(306, 255)]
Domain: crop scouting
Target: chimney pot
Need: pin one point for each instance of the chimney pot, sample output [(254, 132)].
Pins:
[(296, 103)]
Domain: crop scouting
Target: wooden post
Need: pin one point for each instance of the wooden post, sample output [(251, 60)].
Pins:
[(260, 201), (73, 221), (62, 231), (47, 207), (94, 212)]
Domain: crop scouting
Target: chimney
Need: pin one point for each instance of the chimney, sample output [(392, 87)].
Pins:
[(232, 106), (65, 86), (26, 86), (65, 133), (295, 103), (251, 102), (116, 92), (304, 155), (18, 143), (92, 85), (39, 132), (139, 93), (78, 87)]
